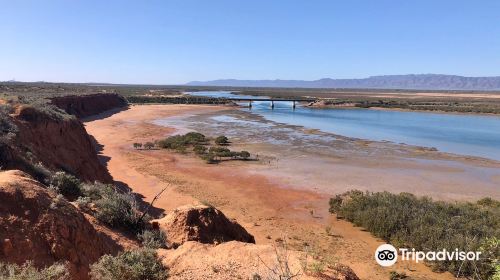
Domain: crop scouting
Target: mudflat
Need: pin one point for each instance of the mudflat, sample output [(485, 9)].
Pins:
[(283, 195)]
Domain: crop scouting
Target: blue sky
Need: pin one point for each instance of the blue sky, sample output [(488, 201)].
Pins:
[(169, 42)]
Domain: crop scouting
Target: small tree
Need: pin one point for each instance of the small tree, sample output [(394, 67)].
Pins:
[(149, 145), (245, 155), (221, 140), (137, 145)]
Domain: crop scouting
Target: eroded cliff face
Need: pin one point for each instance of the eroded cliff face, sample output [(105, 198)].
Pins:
[(83, 106), (60, 143), (37, 225)]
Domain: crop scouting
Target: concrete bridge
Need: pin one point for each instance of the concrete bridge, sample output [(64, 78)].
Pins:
[(272, 100)]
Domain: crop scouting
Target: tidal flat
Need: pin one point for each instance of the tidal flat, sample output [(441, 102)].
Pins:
[(311, 159)]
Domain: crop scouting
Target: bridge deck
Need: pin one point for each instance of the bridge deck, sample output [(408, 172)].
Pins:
[(271, 99)]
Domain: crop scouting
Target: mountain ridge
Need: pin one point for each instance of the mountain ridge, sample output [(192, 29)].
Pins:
[(409, 81)]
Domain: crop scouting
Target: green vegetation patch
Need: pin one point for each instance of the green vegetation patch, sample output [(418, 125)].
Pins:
[(132, 265), (408, 221), (28, 271)]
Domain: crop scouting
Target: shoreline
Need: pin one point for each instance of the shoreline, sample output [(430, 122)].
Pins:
[(266, 207)]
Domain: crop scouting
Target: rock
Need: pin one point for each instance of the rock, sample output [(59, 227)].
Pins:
[(36, 225), (203, 224)]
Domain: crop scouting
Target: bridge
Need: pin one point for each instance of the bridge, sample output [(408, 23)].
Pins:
[(272, 100)]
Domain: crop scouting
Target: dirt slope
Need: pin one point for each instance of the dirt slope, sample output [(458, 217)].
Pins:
[(38, 226), (86, 105), (59, 143)]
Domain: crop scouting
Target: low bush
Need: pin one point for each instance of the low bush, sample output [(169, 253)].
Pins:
[(182, 141), (421, 223), (120, 210), (131, 265), (221, 140), (115, 208), (66, 184), (153, 239), (27, 271)]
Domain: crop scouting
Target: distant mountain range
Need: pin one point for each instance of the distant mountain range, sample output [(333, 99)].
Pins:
[(412, 81)]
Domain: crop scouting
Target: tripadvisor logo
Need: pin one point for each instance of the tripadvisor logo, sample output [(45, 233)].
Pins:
[(387, 255)]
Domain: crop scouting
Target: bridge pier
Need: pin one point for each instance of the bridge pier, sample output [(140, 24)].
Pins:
[(272, 104), (294, 104), (250, 104)]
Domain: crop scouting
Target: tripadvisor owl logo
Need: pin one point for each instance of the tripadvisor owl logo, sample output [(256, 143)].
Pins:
[(386, 255)]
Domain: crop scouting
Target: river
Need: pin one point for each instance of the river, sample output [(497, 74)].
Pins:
[(474, 135)]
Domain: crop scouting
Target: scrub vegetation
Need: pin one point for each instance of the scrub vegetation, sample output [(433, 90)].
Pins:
[(407, 221), (210, 150)]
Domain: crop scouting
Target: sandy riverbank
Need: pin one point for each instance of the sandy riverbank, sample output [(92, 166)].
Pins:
[(252, 193)]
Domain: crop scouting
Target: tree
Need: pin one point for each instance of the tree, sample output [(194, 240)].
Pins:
[(221, 140), (244, 154), (149, 145), (137, 145)]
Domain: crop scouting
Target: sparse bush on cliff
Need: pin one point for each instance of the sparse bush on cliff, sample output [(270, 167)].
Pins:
[(66, 184), (131, 265), (221, 140), (120, 210), (27, 271), (407, 221), (153, 239)]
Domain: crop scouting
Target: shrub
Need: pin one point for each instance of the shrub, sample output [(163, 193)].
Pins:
[(209, 158), (120, 210), (244, 154), (137, 145), (149, 145), (68, 185), (424, 224), (200, 150), (27, 271), (131, 265), (221, 140), (182, 141), (153, 239)]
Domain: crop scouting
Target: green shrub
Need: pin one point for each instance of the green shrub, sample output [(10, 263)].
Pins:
[(244, 154), (137, 145), (120, 210), (27, 271), (199, 149), (153, 239), (221, 140), (68, 185), (209, 158), (131, 265), (424, 224), (182, 141), (149, 145)]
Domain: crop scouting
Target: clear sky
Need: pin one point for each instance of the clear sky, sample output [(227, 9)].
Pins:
[(167, 42)]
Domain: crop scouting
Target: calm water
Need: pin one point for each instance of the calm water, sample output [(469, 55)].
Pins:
[(459, 134)]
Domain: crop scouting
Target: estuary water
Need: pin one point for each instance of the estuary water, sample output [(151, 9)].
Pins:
[(473, 135)]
